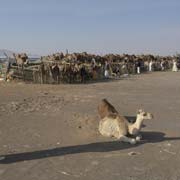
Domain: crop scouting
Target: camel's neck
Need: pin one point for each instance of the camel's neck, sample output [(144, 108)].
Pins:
[(135, 127), (138, 123)]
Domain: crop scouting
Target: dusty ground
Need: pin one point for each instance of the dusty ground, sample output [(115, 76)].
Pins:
[(49, 132)]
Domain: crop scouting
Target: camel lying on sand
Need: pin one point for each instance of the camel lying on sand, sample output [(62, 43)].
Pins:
[(112, 124)]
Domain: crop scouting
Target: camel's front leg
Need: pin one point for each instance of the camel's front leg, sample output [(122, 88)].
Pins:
[(138, 137), (127, 139)]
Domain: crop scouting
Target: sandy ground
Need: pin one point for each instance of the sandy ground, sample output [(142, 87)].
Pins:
[(49, 132)]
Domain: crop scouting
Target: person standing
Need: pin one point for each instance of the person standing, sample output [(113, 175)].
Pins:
[(139, 66), (83, 74), (162, 65), (150, 66), (106, 70), (174, 68)]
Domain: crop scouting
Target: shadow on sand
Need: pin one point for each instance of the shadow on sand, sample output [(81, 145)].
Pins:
[(148, 137)]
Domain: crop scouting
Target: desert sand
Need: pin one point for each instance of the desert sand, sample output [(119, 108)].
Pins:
[(50, 132)]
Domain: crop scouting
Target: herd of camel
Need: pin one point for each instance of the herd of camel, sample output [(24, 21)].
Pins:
[(78, 67), (113, 124), (22, 58)]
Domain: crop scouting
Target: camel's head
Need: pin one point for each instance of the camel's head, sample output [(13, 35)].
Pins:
[(141, 114)]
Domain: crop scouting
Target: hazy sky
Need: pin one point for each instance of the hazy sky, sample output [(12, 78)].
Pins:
[(95, 26)]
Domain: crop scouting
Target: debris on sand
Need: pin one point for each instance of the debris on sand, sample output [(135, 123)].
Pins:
[(133, 153), (168, 144), (65, 173), (80, 127), (170, 152), (68, 174)]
